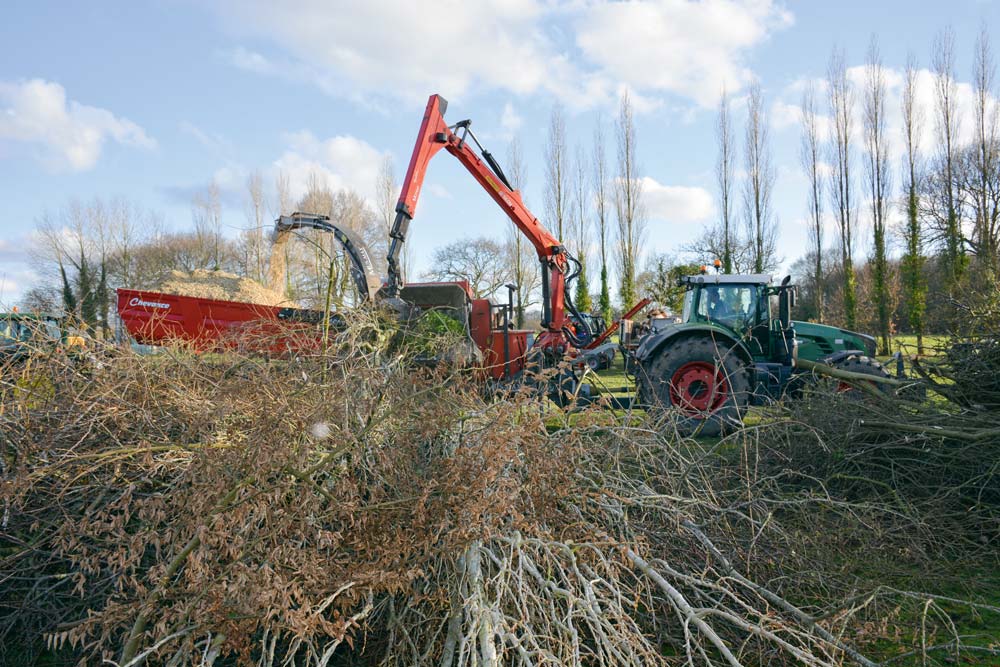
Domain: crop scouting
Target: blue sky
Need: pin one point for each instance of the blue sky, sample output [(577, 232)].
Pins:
[(152, 100)]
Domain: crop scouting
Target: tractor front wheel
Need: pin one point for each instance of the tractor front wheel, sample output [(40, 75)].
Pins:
[(858, 363), (705, 382)]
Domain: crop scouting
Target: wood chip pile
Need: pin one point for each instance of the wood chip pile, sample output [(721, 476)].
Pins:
[(222, 285)]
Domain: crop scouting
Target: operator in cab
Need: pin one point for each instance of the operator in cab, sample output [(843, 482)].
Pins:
[(717, 309), (718, 305)]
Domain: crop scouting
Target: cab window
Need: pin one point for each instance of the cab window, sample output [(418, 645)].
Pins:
[(53, 330), (733, 306), (8, 331), (688, 306)]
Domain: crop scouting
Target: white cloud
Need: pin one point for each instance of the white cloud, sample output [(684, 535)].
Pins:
[(439, 191), (69, 134), (785, 115), (11, 251), (582, 53), (214, 143), (341, 161), (788, 114), (371, 47), (510, 120), (677, 203), (252, 61), (688, 48), (15, 279)]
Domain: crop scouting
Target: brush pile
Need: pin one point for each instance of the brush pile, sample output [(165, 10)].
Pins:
[(349, 509), (933, 456)]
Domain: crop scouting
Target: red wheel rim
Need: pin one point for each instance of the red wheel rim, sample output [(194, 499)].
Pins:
[(698, 387)]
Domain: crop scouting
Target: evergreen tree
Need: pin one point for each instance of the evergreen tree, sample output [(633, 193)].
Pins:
[(581, 299), (912, 265), (69, 298)]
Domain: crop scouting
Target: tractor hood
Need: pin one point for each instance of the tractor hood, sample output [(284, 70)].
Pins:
[(819, 341)]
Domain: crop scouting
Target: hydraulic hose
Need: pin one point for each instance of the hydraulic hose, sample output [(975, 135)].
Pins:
[(588, 335)]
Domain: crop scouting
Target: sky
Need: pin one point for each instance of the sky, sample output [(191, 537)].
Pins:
[(151, 101)]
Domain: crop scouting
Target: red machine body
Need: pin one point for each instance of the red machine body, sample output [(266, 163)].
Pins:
[(154, 318), (435, 134), (488, 332)]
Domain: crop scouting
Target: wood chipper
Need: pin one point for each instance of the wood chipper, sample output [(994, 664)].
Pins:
[(708, 366)]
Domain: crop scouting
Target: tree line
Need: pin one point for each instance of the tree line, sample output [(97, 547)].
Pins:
[(898, 227), (944, 214), (85, 250)]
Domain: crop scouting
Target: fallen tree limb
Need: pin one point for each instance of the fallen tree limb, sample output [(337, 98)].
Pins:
[(683, 607), (850, 376), (775, 599)]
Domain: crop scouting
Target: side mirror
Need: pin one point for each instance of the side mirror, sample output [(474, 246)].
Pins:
[(785, 302)]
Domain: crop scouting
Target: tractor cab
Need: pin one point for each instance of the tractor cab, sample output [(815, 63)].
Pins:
[(748, 307), (22, 333)]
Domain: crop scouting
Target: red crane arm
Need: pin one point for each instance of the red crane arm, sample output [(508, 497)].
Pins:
[(434, 135)]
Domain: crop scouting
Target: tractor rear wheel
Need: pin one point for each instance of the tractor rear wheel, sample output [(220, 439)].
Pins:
[(704, 381)]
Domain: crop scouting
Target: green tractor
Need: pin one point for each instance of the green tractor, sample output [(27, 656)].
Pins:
[(735, 346), (22, 334)]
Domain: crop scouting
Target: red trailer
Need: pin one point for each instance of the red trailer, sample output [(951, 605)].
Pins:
[(154, 318)]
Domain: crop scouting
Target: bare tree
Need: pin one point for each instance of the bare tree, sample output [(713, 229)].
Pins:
[(130, 227), (912, 267), (283, 189), (99, 220), (318, 198), (811, 156), (659, 281), (206, 213), (317, 271), (709, 246), (520, 254), (351, 210), (879, 183), (386, 195), (280, 254), (156, 258), (88, 249), (581, 229), (602, 214), (986, 237), (312, 268), (759, 185), (725, 168), (254, 238), (842, 113), (946, 105), (629, 210), (479, 261), (556, 173)]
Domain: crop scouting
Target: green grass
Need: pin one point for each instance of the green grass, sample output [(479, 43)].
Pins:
[(942, 619), (615, 376), (908, 343)]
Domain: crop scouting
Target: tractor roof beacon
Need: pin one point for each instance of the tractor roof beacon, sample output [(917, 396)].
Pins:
[(736, 345)]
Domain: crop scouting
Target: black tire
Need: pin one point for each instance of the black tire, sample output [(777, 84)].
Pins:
[(859, 363), (665, 381)]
